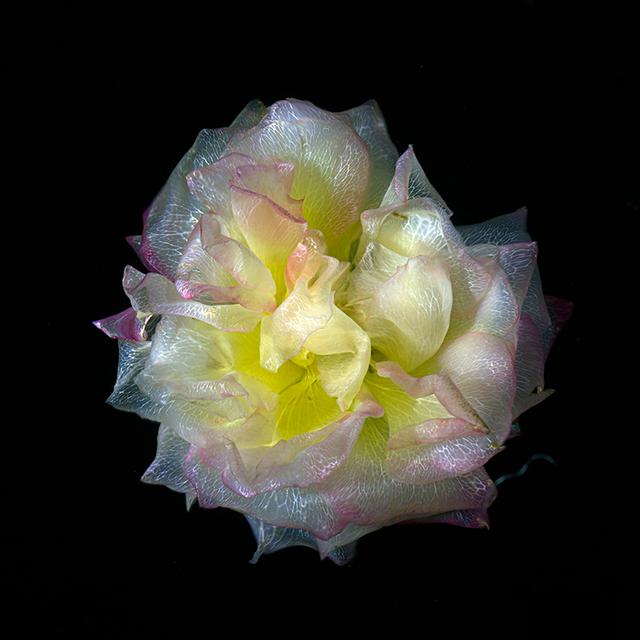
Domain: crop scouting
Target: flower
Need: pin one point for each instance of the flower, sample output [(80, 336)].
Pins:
[(326, 353)]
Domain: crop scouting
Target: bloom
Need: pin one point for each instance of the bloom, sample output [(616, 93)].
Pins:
[(324, 350)]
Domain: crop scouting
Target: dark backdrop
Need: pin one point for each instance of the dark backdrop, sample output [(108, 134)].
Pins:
[(536, 119)]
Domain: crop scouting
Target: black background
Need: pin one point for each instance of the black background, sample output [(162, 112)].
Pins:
[(531, 112)]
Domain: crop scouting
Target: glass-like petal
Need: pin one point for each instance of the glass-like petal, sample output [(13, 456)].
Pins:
[(174, 212), (223, 270), (126, 325), (153, 293), (408, 316), (342, 351), (271, 232), (421, 227), (510, 228), (332, 164), (306, 309), (369, 124), (409, 182)]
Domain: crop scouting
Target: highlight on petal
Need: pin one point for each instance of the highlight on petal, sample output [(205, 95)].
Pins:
[(341, 351), (271, 232), (368, 122), (422, 227)]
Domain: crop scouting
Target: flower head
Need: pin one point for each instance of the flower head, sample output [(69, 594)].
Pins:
[(324, 350)]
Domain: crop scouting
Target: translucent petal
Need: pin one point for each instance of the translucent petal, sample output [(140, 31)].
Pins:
[(342, 352), (210, 186), (270, 231), (362, 492), (275, 181), (174, 212), (331, 160), (506, 229), (153, 293), (223, 270), (307, 309), (409, 181), (369, 124), (408, 316), (481, 366), (126, 325), (126, 394), (402, 387), (529, 365), (518, 261), (166, 468), (305, 459), (421, 227), (340, 549)]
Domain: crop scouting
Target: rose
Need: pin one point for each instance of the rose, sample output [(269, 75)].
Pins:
[(325, 352)]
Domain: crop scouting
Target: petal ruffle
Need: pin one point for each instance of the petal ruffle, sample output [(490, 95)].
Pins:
[(306, 309), (153, 293), (332, 164), (223, 270)]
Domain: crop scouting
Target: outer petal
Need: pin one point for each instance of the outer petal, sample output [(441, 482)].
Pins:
[(409, 182), (482, 367), (174, 212), (126, 325), (362, 492), (301, 461), (340, 549), (506, 229), (369, 124), (152, 293)]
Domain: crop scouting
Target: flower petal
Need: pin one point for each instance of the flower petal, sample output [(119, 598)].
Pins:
[(408, 316), (126, 325), (421, 227), (269, 231), (174, 212), (331, 160), (306, 309), (481, 366), (506, 229), (342, 352), (153, 293), (409, 182), (223, 270), (362, 492), (369, 124), (300, 461)]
